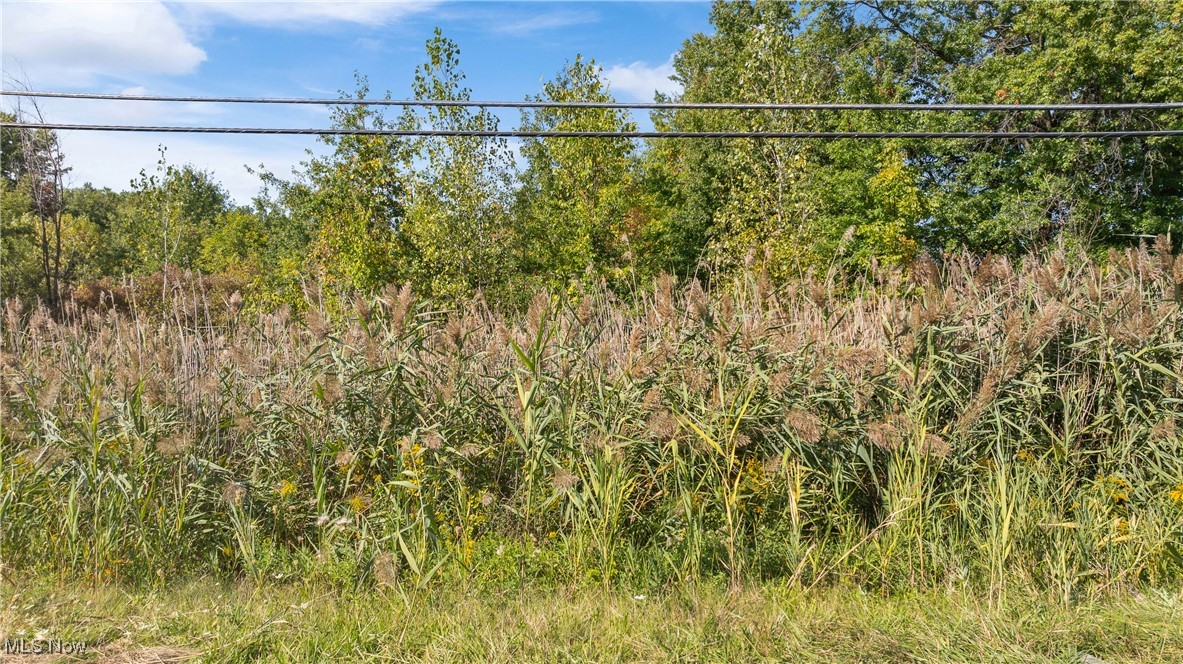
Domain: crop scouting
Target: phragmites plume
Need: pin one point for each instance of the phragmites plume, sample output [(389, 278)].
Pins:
[(981, 400), (884, 435), (233, 493), (936, 445), (454, 332), (925, 271), (652, 399), (584, 312), (697, 302), (432, 439), (635, 338), (398, 302), (992, 270), (234, 304), (330, 389), (318, 323), (346, 458), (245, 423), (1163, 431), (536, 314), (1044, 326), (1047, 278), (856, 361), (804, 425), (663, 425), (501, 334), (174, 444), (663, 297), (564, 479)]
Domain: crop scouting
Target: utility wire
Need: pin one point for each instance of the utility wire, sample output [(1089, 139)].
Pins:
[(516, 133), (1136, 106)]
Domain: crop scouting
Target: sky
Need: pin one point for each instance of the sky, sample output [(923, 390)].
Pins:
[(302, 49)]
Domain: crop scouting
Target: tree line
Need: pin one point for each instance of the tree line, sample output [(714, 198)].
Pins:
[(454, 216)]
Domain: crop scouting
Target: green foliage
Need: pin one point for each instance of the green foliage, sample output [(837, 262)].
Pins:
[(238, 246), (791, 203), (11, 156), (351, 202), (580, 207), (451, 215), (458, 224), (987, 427), (1011, 196), (103, 209), (166, 217), (20, 273)]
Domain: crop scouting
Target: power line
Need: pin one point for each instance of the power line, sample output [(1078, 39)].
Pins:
[(517, 133), (1133, 106)]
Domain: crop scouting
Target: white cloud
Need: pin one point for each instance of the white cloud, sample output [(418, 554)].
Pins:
[(542, 23), (640, 80), (310, 13), (71, 43)]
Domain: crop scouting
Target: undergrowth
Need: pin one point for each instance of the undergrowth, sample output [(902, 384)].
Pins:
[(975, 425)]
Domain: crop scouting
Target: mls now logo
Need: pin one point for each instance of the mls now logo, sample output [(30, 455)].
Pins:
[(43, 647)]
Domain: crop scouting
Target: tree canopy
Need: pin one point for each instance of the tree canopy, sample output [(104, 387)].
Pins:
[(454, 216)]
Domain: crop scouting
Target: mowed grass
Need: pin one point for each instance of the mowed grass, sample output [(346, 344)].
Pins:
[(219, 622)]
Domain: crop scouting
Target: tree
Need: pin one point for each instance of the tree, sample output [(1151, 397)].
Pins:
[(351, 203), (458, 226), (1015, 195), (101, 208), (11, 159), (35, 163), (798, 204), (788, 204), (166, 216), (51, 237), (432, 211), (578, 200), (20, 269)]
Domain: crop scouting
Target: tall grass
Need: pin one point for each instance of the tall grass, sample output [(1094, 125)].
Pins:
[(976, 424)]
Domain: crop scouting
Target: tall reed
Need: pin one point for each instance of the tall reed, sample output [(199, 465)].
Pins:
[(980, 422)]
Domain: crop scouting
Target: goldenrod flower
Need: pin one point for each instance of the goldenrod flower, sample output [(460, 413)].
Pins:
[(1116, 487), (1177, 493), (359, 504)]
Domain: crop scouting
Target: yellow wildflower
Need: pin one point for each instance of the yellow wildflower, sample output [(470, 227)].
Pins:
[(358, 504), (1177, 494), (286, 488), (1116, 487)]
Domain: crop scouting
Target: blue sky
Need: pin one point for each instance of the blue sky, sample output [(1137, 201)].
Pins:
[(304, 49)]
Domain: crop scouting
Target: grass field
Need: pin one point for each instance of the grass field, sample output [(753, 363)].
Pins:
[(245, 622), (978, 461)]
